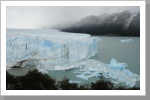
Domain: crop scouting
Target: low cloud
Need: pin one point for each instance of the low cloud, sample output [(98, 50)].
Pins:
[(43, 16)]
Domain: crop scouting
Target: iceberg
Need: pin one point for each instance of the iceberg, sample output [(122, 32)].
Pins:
[(115, 74), (116, 65), (45, 47), (95, 74), (92, 69), (127, 40), (70, 81), (115, 71), (82, 76)]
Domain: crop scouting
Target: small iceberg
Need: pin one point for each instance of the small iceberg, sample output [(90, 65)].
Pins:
[(82, 76), (127, 40), (95, 74), (86, 73), (74, 81), (92, 69), (116, 65), (77, 72)]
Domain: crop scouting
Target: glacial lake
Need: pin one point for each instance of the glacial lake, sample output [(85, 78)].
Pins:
[(109, 47)]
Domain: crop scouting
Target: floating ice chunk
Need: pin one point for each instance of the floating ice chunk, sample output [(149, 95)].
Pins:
[(77, 72), (70, 81), (44, 71), (98, 65), (115, 82), (128, 72), (127, 40), (116, 65), (114, 76), (117, 74), (128, 83), (82, 76), (63, 68), (86, 73), (91, 69), (95, 74), (58, 68)]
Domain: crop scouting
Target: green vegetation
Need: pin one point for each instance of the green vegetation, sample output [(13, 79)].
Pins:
[(65, 85), (35, 80), (102, 84)]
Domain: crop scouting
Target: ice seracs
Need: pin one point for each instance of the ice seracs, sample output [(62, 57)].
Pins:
[(28, 47)]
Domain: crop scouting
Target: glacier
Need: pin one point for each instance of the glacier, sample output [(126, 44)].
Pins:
[(59, 51), (28, 47)]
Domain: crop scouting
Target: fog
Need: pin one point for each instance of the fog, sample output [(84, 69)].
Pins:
[(44, 16)]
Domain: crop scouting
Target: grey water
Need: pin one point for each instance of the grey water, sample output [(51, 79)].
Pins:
[(109, 47)]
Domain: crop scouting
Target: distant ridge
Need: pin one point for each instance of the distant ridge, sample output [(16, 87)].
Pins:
[(125, 23)]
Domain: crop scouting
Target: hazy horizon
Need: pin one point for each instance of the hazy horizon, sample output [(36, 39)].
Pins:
[(47, 16)]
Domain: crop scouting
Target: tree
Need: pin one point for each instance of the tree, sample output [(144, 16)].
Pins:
[(102, 84), (65, 85), (33, 80)]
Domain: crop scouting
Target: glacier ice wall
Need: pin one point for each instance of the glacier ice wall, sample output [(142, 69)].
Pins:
[(28, 47)]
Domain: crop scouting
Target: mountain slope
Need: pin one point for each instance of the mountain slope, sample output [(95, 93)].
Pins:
[(125, 23)]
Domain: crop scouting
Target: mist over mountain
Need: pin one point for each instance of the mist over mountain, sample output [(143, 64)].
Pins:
[(125, 23)]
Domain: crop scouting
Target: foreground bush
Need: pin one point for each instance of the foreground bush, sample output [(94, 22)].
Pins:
[(35, 80), (102, 84), (65, 85), (12, 82)]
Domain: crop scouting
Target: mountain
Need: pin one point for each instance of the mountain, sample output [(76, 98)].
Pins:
[(125, 23)]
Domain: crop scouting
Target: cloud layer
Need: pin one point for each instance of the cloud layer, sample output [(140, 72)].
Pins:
[(44, 16)]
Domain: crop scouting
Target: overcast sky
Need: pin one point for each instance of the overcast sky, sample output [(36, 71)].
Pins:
[(38, 17)]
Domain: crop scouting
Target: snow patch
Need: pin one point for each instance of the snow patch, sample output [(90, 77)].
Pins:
[(128, 21)]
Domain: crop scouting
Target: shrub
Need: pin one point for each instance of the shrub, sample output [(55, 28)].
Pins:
[(35, 80), (11, 82), (102, 84), (65, 85)]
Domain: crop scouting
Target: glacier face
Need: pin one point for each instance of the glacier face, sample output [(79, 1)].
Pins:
[(28, 47)]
